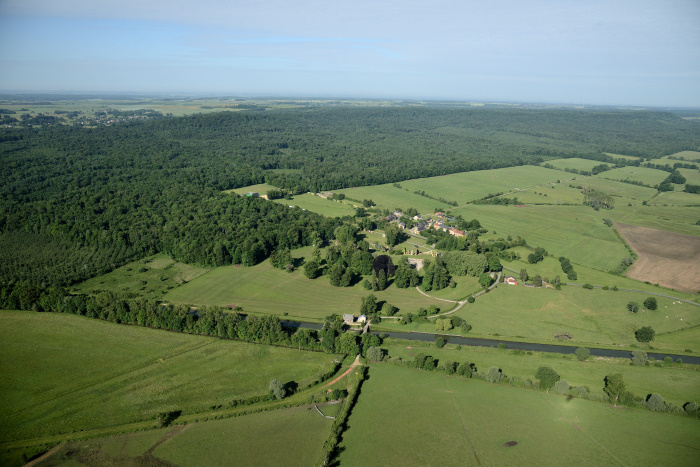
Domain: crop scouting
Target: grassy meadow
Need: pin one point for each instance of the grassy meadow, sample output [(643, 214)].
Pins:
[(678, 384), (63, 373), (590, 317), (413, 417), (572, 231), (150, 277), (325, 207), (265, 289)]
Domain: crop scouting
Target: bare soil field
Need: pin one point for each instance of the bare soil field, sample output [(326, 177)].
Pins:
[(665, 258)]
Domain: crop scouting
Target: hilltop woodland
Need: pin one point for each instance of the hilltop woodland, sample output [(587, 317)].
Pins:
[(78, 202)]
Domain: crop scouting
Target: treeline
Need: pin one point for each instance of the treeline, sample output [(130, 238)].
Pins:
[(209, 321)]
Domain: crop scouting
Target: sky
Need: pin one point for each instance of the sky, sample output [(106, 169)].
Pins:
[(609, 52)]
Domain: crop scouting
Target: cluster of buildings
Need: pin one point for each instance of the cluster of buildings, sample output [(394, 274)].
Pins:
[(438, 223)]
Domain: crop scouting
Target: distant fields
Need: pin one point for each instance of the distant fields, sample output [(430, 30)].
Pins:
[(461, 187), (63, 373), (264, 289), (412, 417), (678, 384), (636, 174), (150, 277), (574, 163), (325, 207)]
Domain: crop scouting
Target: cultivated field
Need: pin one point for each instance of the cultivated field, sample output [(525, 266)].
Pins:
[(677, 383), (412, 417), (149, 278), (265, 289), (666, 258), (63, 373)]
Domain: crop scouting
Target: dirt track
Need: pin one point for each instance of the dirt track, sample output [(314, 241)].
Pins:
[(665, 258)]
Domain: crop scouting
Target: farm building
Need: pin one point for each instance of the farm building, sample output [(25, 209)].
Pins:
[(510, 280), (348, 319)]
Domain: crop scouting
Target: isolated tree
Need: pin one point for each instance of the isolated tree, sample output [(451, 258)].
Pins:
[(277, 389), (486, 280), (645, 334), (381, 280), (391, 231), (523, 275), (650, 303), (547, 377), (335, 274), (633, 307), (369, 305), (582, 353), (388, 309), (537, 281)]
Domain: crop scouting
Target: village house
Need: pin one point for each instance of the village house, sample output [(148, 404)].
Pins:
[(510, 280), (418, 228), (348, 319), (456, 232), (402, 225)]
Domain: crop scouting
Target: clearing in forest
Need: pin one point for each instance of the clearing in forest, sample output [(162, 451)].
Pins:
[(665, 258)]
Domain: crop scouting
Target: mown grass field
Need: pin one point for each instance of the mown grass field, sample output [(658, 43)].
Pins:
[(688, 155), (392, 198), (677, 383), (558, 193), (692, 177), (63, 373), (150, 277), (264, 289), (590, 317), (572, 231), (412, 417), (636, 174)]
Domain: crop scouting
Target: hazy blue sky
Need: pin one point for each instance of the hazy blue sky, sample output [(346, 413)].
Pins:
[(629, 52)]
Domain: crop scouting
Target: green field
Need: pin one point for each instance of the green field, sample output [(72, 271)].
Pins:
[(249, 439), (264, 289), (621, 156), (572, 231), (63, 373), (558, 193), (678, 384), (688, 155), (574, 163), (692, 176), (636, 174), (149, 278), (412, 417), (550, 267), (392, 198), (260, 189), (325, 207), (590, 317)]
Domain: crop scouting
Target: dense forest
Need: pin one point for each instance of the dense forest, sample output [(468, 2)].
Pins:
[(76, 202)]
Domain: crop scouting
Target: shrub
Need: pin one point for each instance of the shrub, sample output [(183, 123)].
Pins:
[(440, 342), (375, 354), (668, 360), (639, 358), (588, 286), (582, 353), (656, 402), (561, 386), (645, 334), (691, 408), (470, 299), (277, 388), (502, 346), (495, 375)]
